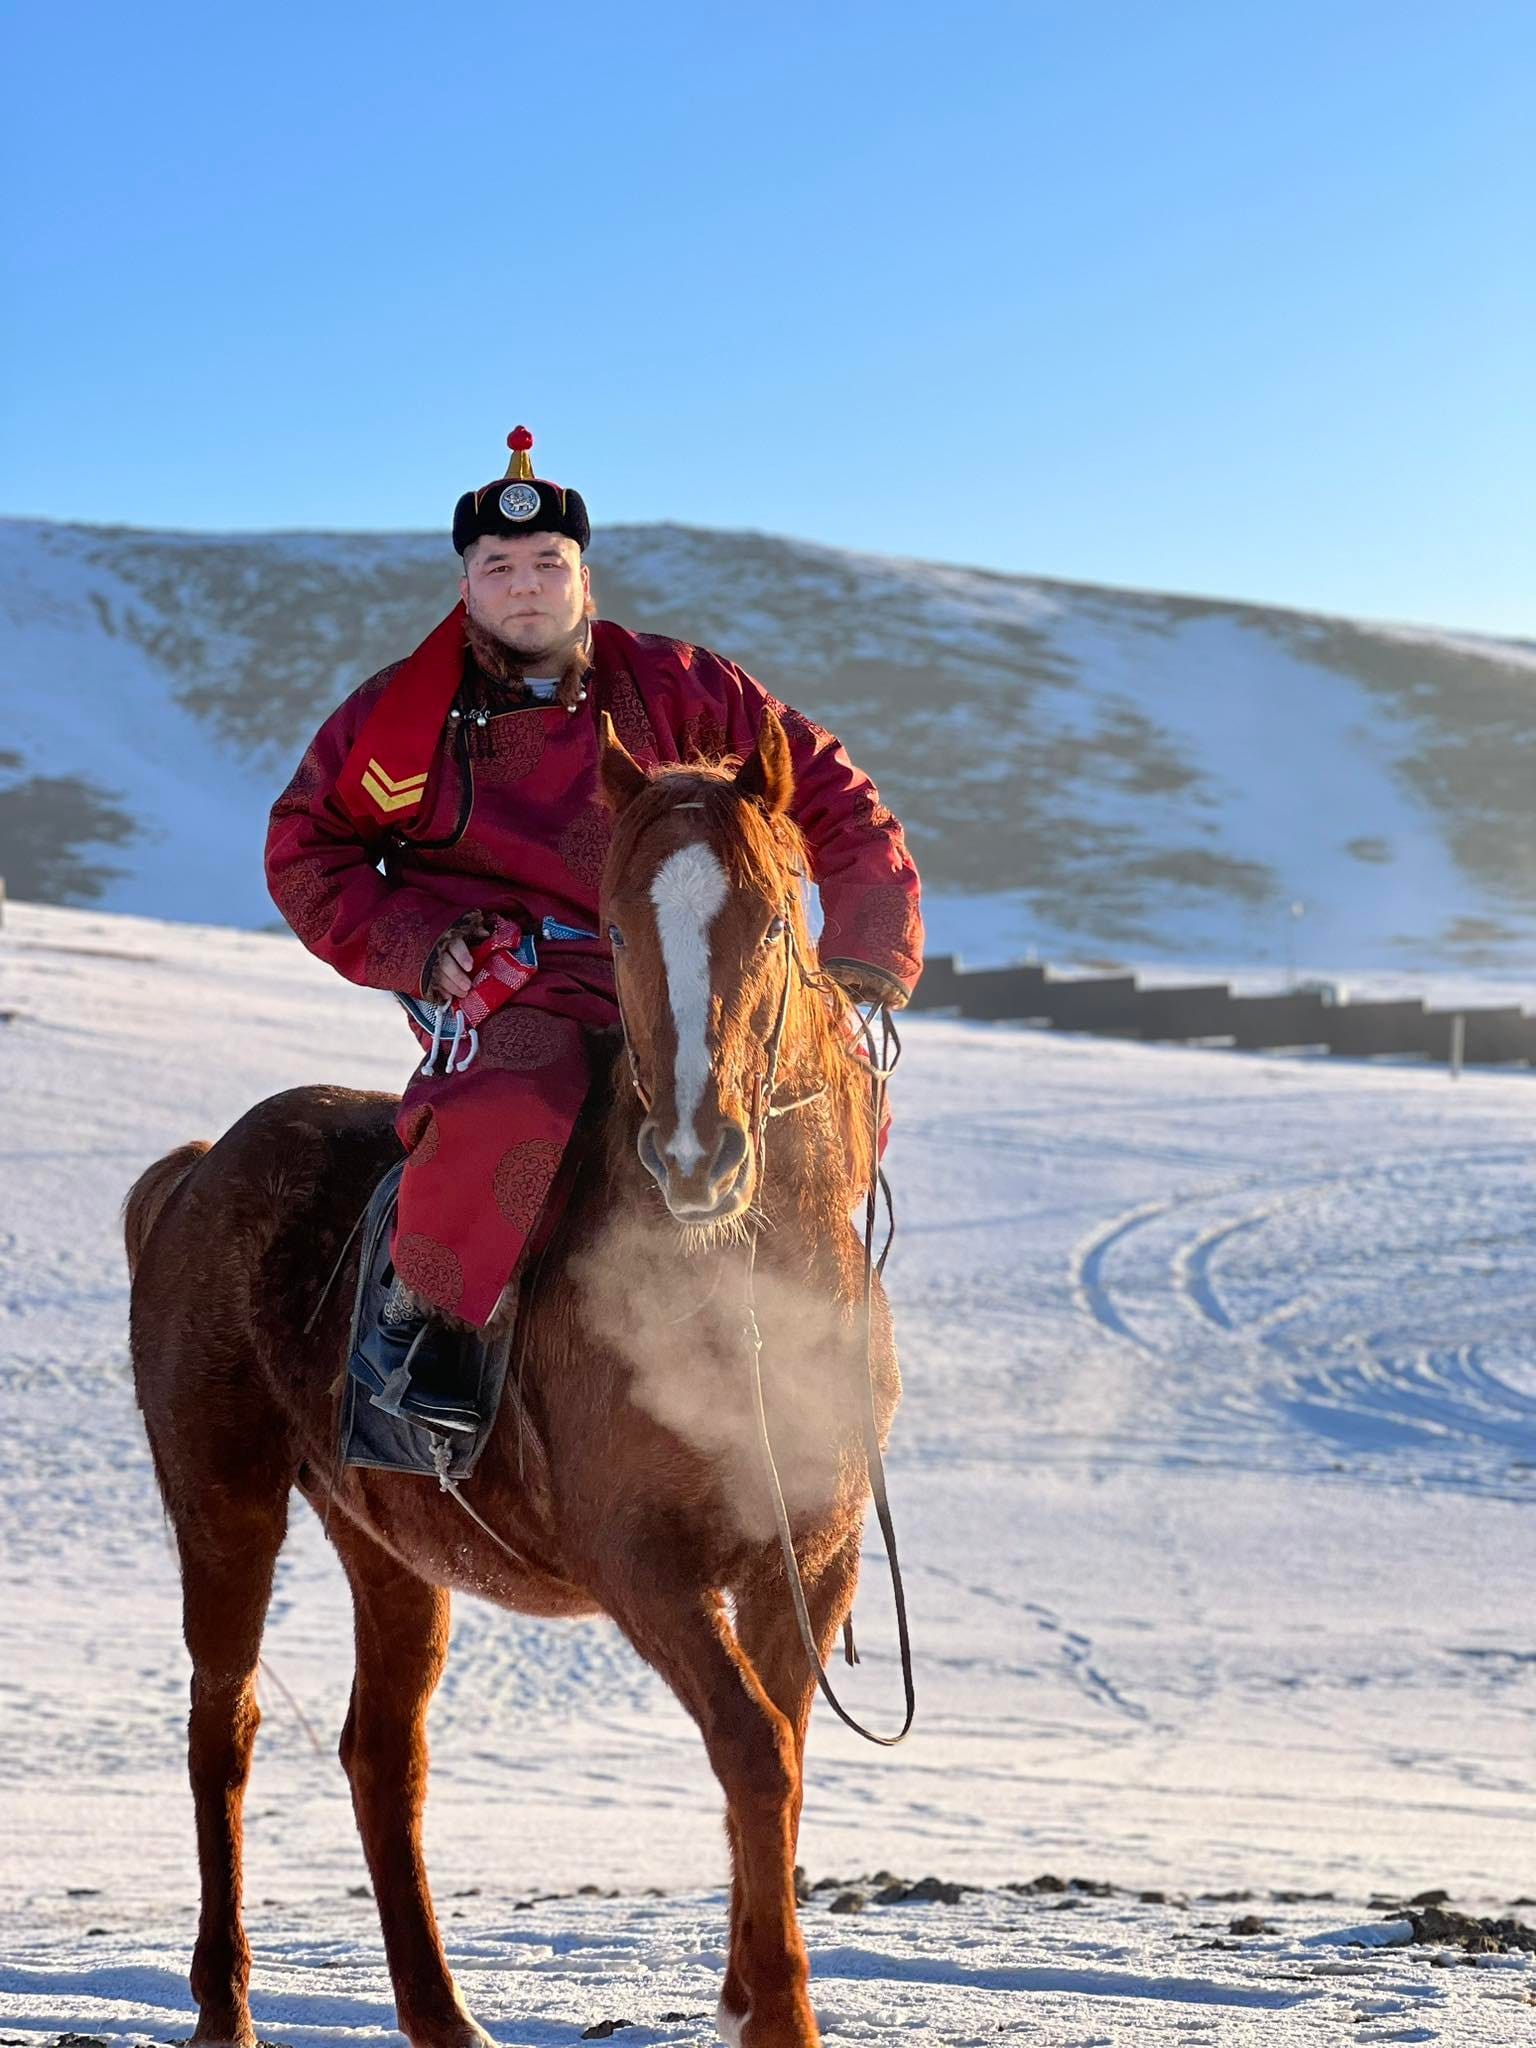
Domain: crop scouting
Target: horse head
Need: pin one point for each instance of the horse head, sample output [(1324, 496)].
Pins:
[(702, 902)]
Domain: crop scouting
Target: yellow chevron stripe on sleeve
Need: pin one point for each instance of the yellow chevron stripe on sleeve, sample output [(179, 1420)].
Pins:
[(416, 782), (386, 800)]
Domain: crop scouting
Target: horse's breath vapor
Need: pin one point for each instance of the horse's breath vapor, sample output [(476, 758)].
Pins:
[(690, 1365)]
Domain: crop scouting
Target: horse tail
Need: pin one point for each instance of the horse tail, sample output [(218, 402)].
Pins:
[(150, 1193)]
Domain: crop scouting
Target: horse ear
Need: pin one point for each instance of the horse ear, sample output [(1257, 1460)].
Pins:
[(768, 773), (619, 774)]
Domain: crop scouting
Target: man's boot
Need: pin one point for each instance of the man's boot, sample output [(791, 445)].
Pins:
[(414, 1366)]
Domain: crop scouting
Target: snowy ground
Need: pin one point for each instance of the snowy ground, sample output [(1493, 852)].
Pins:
[(1216, 1480)]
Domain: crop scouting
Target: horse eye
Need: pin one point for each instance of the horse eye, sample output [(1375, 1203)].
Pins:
[(615, 936), (774, 931)]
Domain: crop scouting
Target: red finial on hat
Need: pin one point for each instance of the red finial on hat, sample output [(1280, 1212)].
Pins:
[(520, 441)]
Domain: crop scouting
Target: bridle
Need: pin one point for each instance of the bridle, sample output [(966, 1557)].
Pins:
[(764, 1109)]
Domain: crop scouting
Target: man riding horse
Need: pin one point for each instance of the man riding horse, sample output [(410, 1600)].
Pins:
[(444, 838)]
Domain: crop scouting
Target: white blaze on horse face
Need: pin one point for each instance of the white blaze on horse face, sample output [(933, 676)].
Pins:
[(688, 891)]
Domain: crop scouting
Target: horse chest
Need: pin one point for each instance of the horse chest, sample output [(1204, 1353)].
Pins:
[(676, 1331)]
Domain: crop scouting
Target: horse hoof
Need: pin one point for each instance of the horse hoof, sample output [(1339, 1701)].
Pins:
[(798, 2031), (466, 2034)]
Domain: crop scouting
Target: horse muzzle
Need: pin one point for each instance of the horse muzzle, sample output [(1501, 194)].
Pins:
[(711, 1189)]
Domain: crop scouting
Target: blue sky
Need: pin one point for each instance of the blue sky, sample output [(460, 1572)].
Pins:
[(1231, 299)]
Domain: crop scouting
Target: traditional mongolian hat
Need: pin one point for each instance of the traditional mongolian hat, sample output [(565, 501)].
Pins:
[(519, 502)]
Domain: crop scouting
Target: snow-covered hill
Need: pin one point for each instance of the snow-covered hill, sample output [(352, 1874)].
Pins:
[(1085, 771), (1216, 1482)]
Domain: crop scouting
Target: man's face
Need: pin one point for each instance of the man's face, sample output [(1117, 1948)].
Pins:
[(530, 589)]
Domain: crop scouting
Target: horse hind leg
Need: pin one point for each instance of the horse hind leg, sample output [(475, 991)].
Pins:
[(226, 1586), (402, 1645)]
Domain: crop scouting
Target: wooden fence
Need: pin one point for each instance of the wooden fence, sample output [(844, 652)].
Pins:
[(1116, 1006)]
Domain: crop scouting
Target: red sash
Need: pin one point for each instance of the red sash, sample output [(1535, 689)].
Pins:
[(383, 781)]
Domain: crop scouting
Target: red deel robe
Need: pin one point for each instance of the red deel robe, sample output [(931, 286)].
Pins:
[(511, 821)]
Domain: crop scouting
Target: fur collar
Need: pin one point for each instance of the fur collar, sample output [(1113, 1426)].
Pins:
[(500, 669)]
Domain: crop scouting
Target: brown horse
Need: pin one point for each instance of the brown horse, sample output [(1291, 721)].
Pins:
[(623, 1476)]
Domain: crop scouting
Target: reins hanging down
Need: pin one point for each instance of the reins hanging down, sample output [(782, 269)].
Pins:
[(880, 1071)]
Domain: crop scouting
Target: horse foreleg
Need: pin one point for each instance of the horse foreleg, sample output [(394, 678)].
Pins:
[(770, 1640), (402, 1645), (751, 1747), (226, 1586)]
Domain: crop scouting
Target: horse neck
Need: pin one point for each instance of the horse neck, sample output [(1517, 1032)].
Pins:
[(825, 1146)]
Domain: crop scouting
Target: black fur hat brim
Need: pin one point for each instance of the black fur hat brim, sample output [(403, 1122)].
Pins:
[(504, 508)]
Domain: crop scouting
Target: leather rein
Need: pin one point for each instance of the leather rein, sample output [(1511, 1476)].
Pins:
[(881, 1067)]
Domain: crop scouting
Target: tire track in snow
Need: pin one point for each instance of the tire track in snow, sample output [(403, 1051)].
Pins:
[(1328, 1362)]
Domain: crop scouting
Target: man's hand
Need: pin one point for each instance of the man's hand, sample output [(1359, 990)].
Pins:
[(862, 983), (451, 976), (451, 963)]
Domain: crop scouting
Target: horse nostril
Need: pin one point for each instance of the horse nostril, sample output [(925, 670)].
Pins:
[(650, 1154), (730, 1156)]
